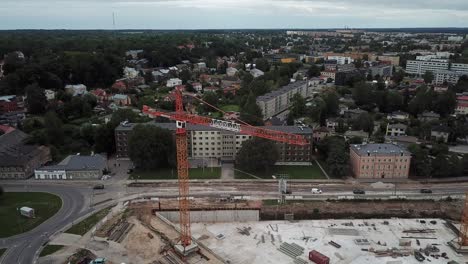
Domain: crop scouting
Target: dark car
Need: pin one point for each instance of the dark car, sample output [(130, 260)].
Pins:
[(98, 187), (359, 191), (426, 191), (418, 256)]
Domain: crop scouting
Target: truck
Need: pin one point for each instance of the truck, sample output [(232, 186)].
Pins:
[(318, 257)]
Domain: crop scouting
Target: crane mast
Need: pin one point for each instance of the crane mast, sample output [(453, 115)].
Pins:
[(182, 118)]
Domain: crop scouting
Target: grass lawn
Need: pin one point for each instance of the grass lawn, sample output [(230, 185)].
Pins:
[(50, 249), (2, 251), (230, 108), (171, 174), (84, 226), (294, 172), (12, 223)]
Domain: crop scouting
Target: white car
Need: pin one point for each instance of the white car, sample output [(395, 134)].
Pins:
[(316, 191)]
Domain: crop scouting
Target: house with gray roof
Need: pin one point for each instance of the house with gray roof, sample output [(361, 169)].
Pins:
[(74, 167)]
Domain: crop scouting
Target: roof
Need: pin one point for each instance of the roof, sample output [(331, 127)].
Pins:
[(400, 126), (280, 91), (430, 114), (193, 127), (441, 128), (79, 162), (120, 96), (13, 152), (379, 149), (6, 129)]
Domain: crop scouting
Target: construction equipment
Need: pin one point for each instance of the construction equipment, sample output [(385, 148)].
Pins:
[(182, 118), (463, 234)]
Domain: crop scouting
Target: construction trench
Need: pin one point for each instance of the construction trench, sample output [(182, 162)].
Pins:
[(249, 231)]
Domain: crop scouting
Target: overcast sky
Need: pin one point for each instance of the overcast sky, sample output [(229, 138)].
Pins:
[(214, 14)]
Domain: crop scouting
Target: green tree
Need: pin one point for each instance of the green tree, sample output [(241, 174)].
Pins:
[(151, 147), (262, 64), (250, 112), (338, 158), (185, 75), (256, 155), (313, 71), (362, 93), (398, 76), (440, 166), (364, 122), (36, 99), (298, 108), (332, 103), (428, 77), (212, 99), (54, 129), (420, 162)]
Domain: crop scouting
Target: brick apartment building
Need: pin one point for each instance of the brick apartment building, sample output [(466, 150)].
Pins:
[(376, 161), (208, 142)]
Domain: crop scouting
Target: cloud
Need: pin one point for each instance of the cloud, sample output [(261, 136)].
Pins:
[(232, 13)]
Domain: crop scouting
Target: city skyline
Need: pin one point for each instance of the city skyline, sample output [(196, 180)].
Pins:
[(229, 14)]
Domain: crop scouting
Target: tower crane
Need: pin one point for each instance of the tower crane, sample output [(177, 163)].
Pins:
[(182, 118)]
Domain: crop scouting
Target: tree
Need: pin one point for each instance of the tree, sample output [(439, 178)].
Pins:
[(420, 162), (256, 155), (313, 71), (36, 99), (250, 112), (262, 64), (151, 147), (440, 166), (332, 103), (428, 77), (212, 99), (362, 93), (185, 75), (338, 158), (298, 107), (364, 122), (398, 76), (1, 191), (54, 129)]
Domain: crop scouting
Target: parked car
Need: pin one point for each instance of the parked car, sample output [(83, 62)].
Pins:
[(418, 256), (426, 191), (98, 187), (316, 191), (98, 261), (359, 191)]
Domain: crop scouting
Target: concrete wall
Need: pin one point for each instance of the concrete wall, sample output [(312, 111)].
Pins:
[(215, 216)]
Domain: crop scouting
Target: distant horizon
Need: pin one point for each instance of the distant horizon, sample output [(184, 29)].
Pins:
[(231, 14)]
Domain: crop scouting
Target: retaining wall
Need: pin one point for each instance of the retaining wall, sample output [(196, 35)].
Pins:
[(214, 216)]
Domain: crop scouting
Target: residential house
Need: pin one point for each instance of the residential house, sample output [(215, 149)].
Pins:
[(398, 116), (17, 159), (402, 140), (395, 130), (328, 74), (120, 85), (229, 81), (100, 94), (197, 86), (440, 133), (332, 124), (8, 103), (74, 167), (380, 161), (121, 99), (173, 82), (130, 73), (13, 119), (75, 90), (429, 116), (212, 89), (353, 113), (462, 105), (357, 134), (320, 134), (231, 71), (50, 94), (256, 73)]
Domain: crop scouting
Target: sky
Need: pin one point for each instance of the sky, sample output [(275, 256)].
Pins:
[(231, 14)]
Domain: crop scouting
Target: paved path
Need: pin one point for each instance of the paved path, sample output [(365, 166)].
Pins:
[(227, 171)]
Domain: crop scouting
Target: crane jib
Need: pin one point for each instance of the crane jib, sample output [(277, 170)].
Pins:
[(231, 126)]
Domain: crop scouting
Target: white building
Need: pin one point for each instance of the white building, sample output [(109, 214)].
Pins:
[(441, 77), (459, 67), (173, 82), (419, 67), (50, 94), (130, 73), (74, 167), (341, 59), (455, 38), (231, 71), (256, 73), (396, 130), (75, 90)]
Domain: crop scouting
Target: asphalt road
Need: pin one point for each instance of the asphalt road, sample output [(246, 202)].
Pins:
[(22, 248)]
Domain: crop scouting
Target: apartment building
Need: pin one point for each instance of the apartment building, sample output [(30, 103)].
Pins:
[(441, 77), (381, 70), (462, 105), (419, 67), (396, 130), (460, 68), (209, 142), (379, 161), (279, 100)]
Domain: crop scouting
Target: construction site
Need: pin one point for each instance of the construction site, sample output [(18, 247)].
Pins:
[(234, 231)]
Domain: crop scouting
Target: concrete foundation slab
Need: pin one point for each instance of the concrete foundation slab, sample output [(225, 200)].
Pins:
[(185, 251)]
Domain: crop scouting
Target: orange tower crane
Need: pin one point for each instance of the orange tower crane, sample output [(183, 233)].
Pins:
[(182, 118)]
